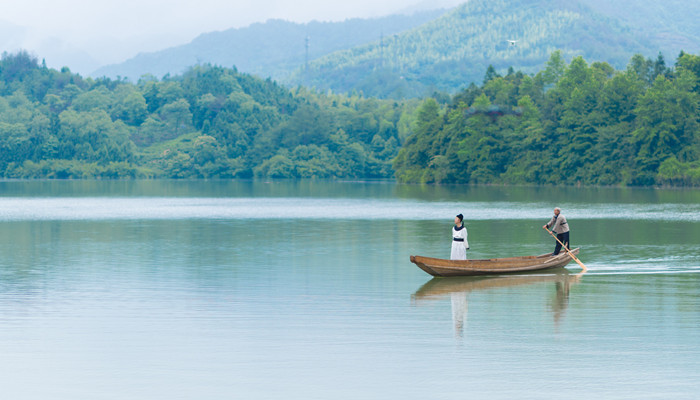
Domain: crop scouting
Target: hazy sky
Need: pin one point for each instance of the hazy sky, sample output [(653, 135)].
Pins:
[(107, 31)]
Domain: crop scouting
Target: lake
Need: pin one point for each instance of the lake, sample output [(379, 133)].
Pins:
[(304, 290)]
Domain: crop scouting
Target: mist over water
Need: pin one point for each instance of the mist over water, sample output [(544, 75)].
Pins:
[(82, 208)]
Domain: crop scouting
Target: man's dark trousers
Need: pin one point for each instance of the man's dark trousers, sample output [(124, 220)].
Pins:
[(563, 238)]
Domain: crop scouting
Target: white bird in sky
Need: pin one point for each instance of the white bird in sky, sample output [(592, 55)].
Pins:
[(512, 42)]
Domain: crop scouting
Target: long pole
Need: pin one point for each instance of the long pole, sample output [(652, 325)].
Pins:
[(567, 249)]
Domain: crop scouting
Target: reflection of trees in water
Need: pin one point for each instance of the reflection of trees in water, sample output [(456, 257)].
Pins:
[(458, 289)]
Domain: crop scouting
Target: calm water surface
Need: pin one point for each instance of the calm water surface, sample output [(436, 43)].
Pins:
[(242, 290)]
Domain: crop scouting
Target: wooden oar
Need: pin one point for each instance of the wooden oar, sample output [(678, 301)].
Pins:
[(567, 249)]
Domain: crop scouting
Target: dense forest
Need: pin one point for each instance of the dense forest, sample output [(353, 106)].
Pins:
[(456, 48), (210, 122), (672, 24), (568, 124), (411, 56)]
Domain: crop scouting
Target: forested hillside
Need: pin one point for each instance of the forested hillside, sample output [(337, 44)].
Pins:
[(672, 24), (273, 49), (403, 56), (454, 50), (211, 122), (567, 125)]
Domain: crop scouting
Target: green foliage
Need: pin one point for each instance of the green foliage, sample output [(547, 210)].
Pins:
[(570, 123), (577, 124), (210, 122), (671, 24), (454, 50)]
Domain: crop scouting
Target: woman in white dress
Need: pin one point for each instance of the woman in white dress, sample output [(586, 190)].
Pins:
[(460, 245)]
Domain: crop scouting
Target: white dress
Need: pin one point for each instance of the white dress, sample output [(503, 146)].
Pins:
[(459, 243)]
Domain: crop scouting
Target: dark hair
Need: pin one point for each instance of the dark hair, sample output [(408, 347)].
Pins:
[(461, 217)]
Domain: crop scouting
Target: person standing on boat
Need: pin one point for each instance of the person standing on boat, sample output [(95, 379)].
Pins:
[(460, 245), (561, 228)]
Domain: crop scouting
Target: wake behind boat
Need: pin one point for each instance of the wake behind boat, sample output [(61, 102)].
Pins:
[(445, 268)]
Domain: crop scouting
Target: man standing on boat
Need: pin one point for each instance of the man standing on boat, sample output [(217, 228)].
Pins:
[(460, 245), (561, 228)]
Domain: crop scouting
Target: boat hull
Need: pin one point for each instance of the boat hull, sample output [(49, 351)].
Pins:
[(445, 268)]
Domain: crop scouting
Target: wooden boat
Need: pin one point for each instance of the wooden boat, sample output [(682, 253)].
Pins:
[(442, 267)]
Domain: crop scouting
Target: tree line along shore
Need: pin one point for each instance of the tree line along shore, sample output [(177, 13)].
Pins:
[(570, 123)]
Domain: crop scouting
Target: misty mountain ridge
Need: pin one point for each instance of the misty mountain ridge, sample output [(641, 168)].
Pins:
[(454, 50), (671, 24), (56, 52), (274, 48), (414, 55)]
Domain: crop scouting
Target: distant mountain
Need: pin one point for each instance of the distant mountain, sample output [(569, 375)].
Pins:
[(56, 52), (672, 25), (414, 55), (455, 49), (271, 49)]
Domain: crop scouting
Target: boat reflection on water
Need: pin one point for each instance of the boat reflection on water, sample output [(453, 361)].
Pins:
[(457, 289)]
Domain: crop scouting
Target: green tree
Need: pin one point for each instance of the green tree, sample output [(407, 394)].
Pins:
[(131, 108), (177, 117)]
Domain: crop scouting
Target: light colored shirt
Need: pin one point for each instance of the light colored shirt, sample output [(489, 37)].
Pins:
[(558, 224)]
